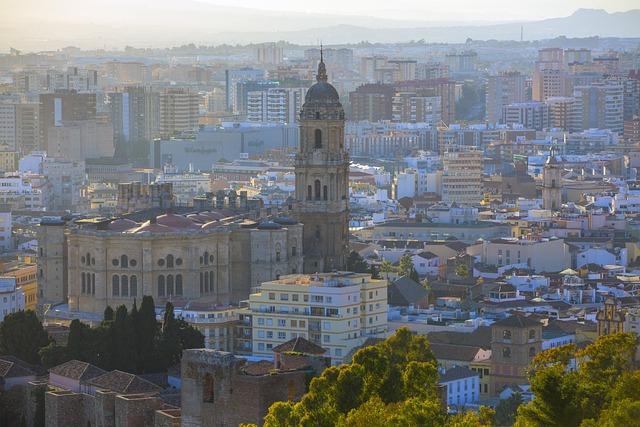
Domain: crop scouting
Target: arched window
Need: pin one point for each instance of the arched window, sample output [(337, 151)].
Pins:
[(532, 334), (317, 231), (169, 261), (318, 138), (206, 257), (553, 183), (325, 193), (506, 353), (93, 283), (170, 285), (161, 285), (88, 259), (309, 193), (115, 285), (206, 282), (84, 284), (317, 189), (506, 334), (278, 250), (133, 286), (179, 284), (532, 351), (124, 261), (207, 388), (211, 281), (317, 115), (201, 283), (124, 285)]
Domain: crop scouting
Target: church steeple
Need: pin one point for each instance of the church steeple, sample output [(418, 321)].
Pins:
[(322, 69)]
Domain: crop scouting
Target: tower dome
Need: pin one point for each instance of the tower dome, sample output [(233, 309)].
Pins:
[(322, 100)]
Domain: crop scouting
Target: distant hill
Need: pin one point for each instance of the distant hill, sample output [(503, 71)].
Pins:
[(37, 25)]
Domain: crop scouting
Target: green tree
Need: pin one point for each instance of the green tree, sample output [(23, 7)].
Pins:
[(53, 355), (22, 336), (108, 314), (507, 409), (170, 345), (356, 263), (124, 341), (386, 266), (405, 265), (147, 330), (605, 375), (462, 271), (190, 337)]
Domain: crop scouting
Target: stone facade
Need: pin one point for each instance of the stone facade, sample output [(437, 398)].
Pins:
[(217, 392), (322, 178), (190, 257)]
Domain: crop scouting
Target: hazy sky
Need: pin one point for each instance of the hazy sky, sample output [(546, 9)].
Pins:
[(451, 10)]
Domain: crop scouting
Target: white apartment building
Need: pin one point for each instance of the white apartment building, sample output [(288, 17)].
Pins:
[(18, 193), (337, 311), (186, 185), (462, 177), (405, 184), (11, 297), (462, 385), (275, 105)]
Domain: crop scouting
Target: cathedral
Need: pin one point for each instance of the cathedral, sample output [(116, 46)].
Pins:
[(322, 178), (209, 254)]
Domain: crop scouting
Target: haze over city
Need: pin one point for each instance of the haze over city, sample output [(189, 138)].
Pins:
[(224, 213)]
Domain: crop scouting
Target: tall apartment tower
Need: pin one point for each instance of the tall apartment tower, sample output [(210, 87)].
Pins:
[(503, 89), (552, 183), (178, 112), (462, 177), (322, 178)]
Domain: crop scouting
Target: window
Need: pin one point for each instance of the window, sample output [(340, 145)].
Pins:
[(327, 338), (294, 297), (133, 286), (260, 320), (93, 283), (532, 351), (178, 261), (260, 334), (169, 261), (84, 285), (115, 285), (317, 235), (133, 262), (260, 346), (506, 334), (124, 261), (317, 186), (161, 262), (269, 321), (294, 251), (284, 297), (272, 295), (179, 284), (201, 283), (170, 285), (302, 323), (294, 323), (211, 281), (282, 323), (506, 353), (318, 138), (161, 285), (124, 285), (206, 281), (115, 262), (207, 388), (309, 193), (206, 257), (270, 334), (532, 334), (324, 192), (282, 335)]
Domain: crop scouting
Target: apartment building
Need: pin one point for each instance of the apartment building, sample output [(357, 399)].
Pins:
[(503, 89), (462, 177), (337, 311), (178, 112)]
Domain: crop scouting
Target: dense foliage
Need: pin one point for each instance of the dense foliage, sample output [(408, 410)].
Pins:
[(22, 335), (128, 341), (596, 386), (392, 383)]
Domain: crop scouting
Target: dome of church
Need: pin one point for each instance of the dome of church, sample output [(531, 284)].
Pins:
[(322, 91)]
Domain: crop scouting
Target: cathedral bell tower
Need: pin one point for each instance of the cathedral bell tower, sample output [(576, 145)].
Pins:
[(322, 178)]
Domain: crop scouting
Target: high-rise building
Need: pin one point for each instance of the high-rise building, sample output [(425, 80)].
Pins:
[(66, 105), (404, 69), (79, 140), (322, 178), (369, 65), (7, 127), (409, 107), (462, 177), (269, 54), (275, 105), (632, 94), (444, 88), (601, 105), (178, 111), (27, 128), (577, 56), (372, 102), (233, 77), (135, 115), (531, 115), (241, 98), (632, 130), (549, 75), (564, 113), (503, 89), (462, 62), (337, 311)]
